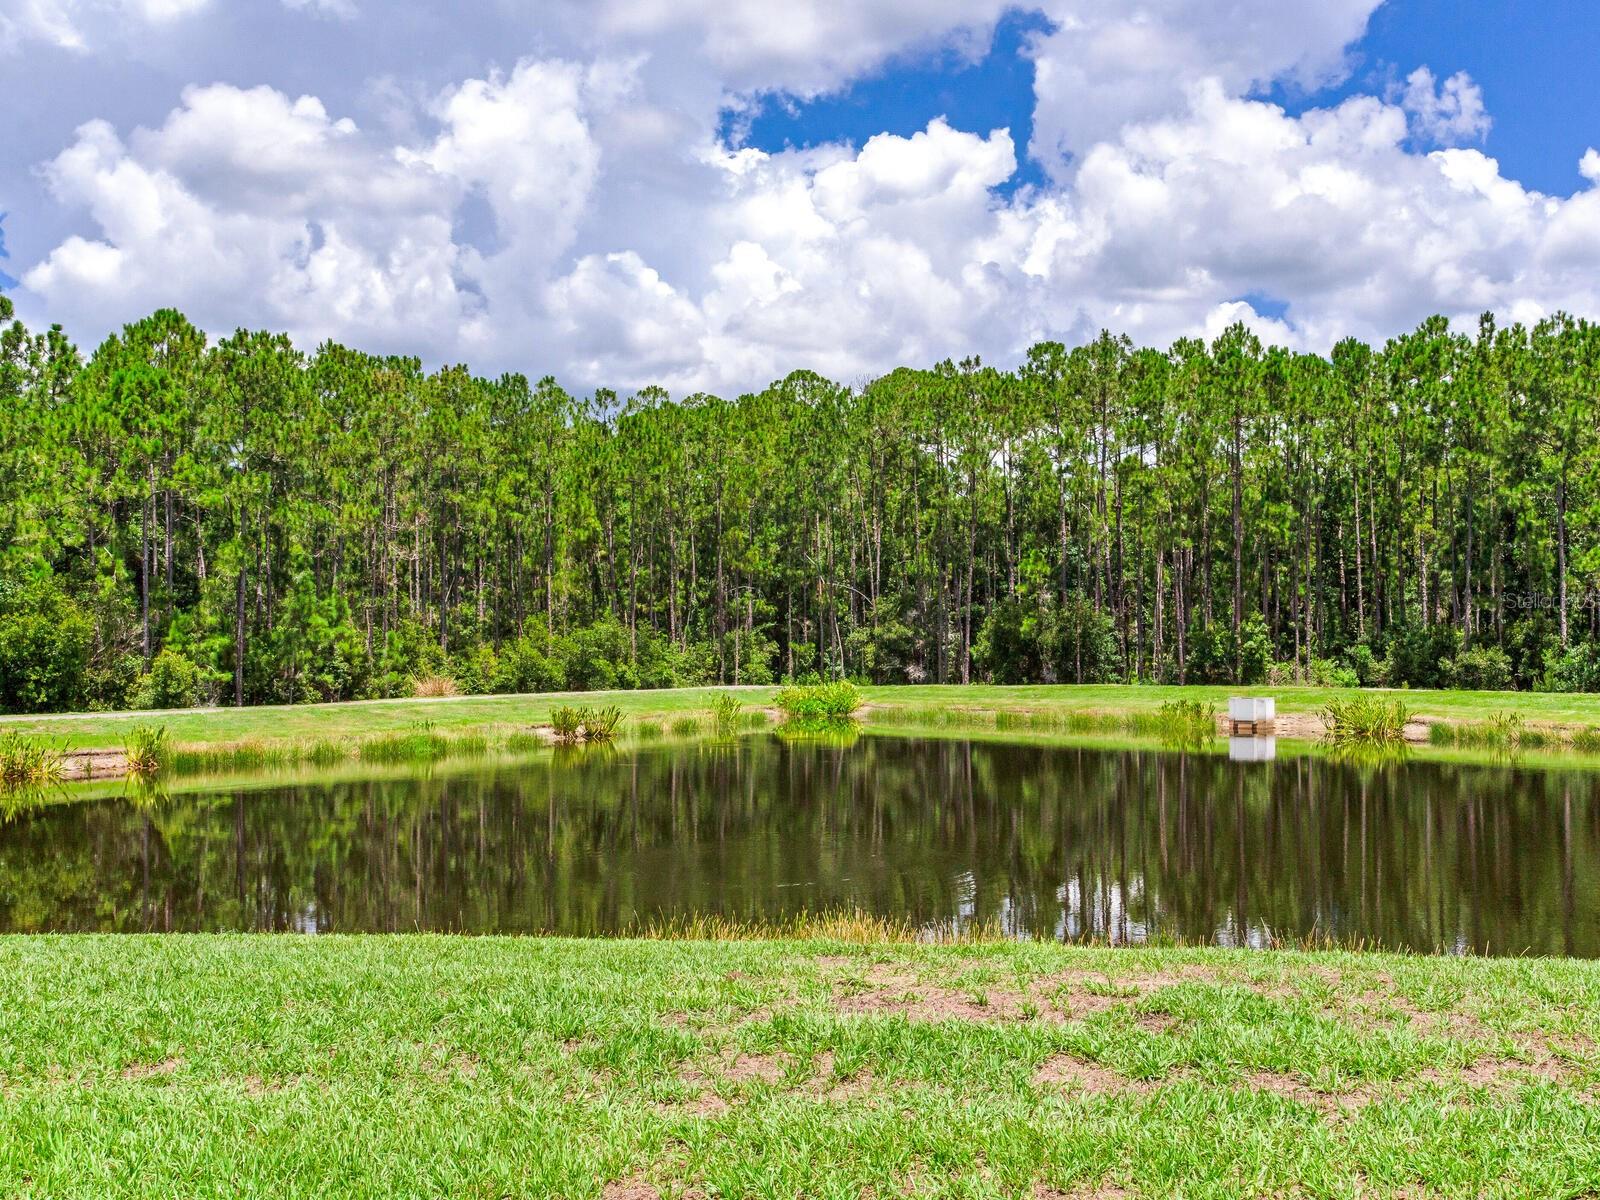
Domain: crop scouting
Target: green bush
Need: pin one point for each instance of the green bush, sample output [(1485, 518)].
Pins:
[(173, 681), (1576, 669), (44, 648), (1479, 669), (1419, 656), (529, 665)]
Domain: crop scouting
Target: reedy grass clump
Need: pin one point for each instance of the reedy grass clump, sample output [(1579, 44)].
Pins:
[(600, 724), (149, 750), (434, 687), (725, 710), (838, 701), (586, 724), (27, 762), (567, 722), (422, 743), (1365, 720), (1188, 722)]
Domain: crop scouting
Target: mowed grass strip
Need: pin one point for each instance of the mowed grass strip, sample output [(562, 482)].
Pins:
[(502, 715), (437, 1066)]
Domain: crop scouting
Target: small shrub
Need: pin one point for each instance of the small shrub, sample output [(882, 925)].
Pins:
[(1482, 668), (149, 750), (434, 686), (173, 682)]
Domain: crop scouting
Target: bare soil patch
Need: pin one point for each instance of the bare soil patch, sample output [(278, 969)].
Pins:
[(167, 1066), (1080, 1075)]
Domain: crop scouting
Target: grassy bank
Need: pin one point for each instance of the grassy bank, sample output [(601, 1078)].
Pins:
[(1098, 708), (430, 1066)]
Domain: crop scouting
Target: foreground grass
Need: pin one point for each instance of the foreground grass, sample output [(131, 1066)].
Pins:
[(433, 1066), (503, 716)]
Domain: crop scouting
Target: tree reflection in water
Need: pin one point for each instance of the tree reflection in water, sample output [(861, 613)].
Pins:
[(1047, 842)]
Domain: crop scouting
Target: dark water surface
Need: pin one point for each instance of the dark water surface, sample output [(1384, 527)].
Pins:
[(1048, 842)]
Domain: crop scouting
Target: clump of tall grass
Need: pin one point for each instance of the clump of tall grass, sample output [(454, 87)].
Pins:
[(574, 725), (567, 722), (1365, 720), (836, 701), (433, 687), (1510, 731), (648, 731), (419, 744), (1500, 731), (242, 756), (683, 727), (1186, 722), (149, 750), (600, 724), (725, 710), (522, 742), (27, 762)]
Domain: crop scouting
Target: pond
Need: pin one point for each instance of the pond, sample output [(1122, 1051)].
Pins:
[(1042, 841)]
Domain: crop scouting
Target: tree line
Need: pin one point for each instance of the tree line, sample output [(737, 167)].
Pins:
[(241, 522)]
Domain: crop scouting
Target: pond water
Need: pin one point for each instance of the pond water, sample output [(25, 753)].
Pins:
[(1048, 842)]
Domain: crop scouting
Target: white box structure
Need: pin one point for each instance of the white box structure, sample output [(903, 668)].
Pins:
[(1252, 749), (1252, 708)]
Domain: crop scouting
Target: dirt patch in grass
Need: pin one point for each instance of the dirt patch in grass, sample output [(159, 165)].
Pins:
[(763, 1068), (825, 1084), (167, 1066), (1497, 1074), (632, 1188), (1088, 1191), (1079, 1075), (1055, 998), (732, 1068), (1291, 1087)]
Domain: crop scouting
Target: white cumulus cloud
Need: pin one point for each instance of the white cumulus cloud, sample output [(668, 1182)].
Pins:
[(574, 209)]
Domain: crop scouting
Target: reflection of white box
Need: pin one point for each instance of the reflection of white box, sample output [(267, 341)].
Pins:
[(1252, 749), (1251, 708)]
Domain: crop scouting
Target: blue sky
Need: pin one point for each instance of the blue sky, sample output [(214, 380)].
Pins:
[(709, 194), (1536, 64)]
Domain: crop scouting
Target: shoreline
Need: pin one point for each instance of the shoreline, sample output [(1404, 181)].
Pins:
[(93, 743)]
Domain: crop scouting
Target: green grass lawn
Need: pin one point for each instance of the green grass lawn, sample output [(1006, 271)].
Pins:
[(502, 713), (438, 1066)]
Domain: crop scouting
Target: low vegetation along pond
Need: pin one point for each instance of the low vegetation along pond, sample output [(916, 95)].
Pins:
[(1047, 842)]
